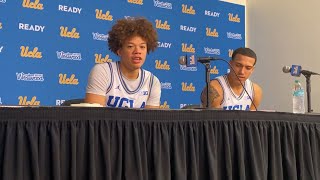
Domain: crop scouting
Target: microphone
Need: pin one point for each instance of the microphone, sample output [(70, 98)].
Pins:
[(183, 60), (296, 70)]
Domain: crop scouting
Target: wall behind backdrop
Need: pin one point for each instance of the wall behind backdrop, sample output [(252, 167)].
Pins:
[(47, 48), (282, 39)]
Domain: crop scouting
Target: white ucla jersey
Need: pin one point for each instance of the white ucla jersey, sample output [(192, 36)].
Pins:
[(128, 93), (231, 101)]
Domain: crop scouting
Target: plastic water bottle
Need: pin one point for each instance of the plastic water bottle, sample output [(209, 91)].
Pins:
[(298, 98)]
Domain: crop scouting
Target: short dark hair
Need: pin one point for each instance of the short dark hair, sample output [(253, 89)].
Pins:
[(127, 28), (245, 52)]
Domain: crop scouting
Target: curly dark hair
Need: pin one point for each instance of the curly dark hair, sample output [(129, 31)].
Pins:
[(245, 52), (126, 28)]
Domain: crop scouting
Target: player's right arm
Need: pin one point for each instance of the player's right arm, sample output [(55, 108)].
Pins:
[(98, 83), (215, 95)]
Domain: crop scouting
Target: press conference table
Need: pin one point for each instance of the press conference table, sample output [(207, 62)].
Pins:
[(42, 143)]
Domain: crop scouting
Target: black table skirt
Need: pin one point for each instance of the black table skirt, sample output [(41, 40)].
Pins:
[(72, 143)]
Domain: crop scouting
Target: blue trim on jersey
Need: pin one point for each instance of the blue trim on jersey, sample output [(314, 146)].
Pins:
[(252, 90), (112, 79), (124, 85), (151, 84), (242, 93)]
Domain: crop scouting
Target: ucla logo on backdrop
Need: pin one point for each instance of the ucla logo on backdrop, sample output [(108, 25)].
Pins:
[(186, 87), (25, 52), (32, 5), (100, 37), (188, 10), (103, 16), (69, 34), (30, 27), (1, 48), (213, 51), (69, 9), (162, 66), (211, 13), (164, 45), (161, 4), (72, 80), (166, 85), (29, 77), (69, 56), (165, 105), (231, 35), (164, 25), (187, 28), (230, 52), (214, 70), (139, 2), (234, 18), (212, 33), (186, 48), (23, 101), (99, 59)]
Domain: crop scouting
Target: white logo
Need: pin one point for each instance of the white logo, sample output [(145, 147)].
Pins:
[(30, 27), (3, 1), (160, 4), (0, 101), (183, 105), (1, 47), (231, 35), (129, 17), (208, 50), (185, 68), (187, 28), (69, 56), (69, 9), (210, 13), (164, 45), (100, 37), (166, 85), (59, 102), (29, 77)]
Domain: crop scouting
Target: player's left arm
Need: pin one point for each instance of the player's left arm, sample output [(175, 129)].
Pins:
[(155, 94), (257, 96)]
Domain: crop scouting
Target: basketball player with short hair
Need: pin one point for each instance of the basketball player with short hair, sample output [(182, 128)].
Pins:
[(125, 83), (227, 92)]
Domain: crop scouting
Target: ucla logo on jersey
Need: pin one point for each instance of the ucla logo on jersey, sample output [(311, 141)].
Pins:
[(237, 107), (116, 101)]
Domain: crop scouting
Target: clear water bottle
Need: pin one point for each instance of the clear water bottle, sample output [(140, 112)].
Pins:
[(298, 98)]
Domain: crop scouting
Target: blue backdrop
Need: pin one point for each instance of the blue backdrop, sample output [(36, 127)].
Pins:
[(47, 48)]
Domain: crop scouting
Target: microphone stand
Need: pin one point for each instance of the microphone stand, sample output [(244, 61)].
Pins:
[(207, 75), (308, 81)]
